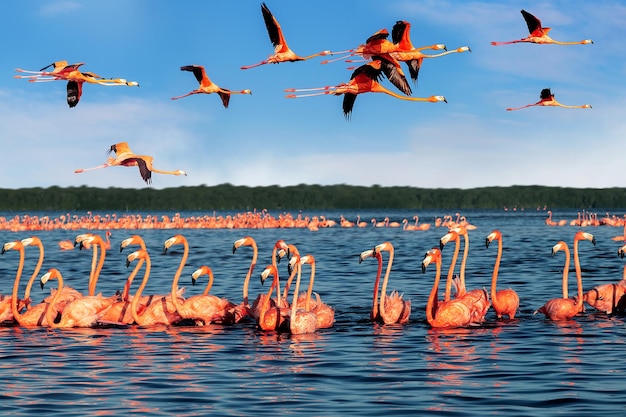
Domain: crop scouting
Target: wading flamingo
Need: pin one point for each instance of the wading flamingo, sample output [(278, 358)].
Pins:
[(477, 299), (504, 302), (325, 314), (567, 308), (203, 309), (443, 314), (300, 320), (392, 309), (127, 158), (539, 34), (609, 298), (364, 80), (161, 311), (245, 304), (547, 99), (12, 306), (271, 317), (207, 86), (282, 52)]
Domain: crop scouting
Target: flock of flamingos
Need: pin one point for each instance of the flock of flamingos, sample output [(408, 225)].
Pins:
[(380, 56), (277, 310)]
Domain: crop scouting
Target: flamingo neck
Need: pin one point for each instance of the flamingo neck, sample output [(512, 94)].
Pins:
[(383, 291), (566, 273), (94, 280), (431, 305), (494, 277), (52, 303), (307, 305), (179, 271), (455, 256), (374, 313), (16, 285), (35, 273), (246, 281), (138, 318), (579, 276)]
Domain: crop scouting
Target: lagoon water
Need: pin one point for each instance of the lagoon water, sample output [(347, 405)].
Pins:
[(525, 367)]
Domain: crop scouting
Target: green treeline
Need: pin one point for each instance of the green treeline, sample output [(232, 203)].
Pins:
[(230, 197)]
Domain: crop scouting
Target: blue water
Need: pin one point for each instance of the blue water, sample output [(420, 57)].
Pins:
[(525, 367)]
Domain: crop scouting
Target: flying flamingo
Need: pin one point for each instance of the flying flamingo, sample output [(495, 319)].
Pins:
[(547, 99), (567, 308), (125, 157), (392, 309), (282, 52), (271, 317), (504, 302), (477, 299), (539, 34), (207, 86), (443, 314), (364, 80), (401, 36), (609, 298)]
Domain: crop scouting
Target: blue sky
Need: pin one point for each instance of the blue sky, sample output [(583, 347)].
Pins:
[(266, 139)]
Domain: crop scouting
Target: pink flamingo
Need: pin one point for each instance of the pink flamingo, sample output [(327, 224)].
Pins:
[(504, 302), (609, 298), (324, 313), (567, 308), (301, 321), (271, 317), (161, 310), (445, 314), (539, 34), (392, 308)]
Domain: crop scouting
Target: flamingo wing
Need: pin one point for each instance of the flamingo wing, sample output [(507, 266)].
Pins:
[(399, 30), (394, 74), (198, 71), (348, 104), (225, 96), (546, 94), (534, 24), (273, 29), (146, 174)]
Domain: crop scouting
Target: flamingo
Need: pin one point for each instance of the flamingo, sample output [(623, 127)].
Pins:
[(414, 58), (300, 320), (364, 80), (125, 157), (609, 298), (11, 306), (205, 308), (504, 302), (270, 317), (477, 299), (567, 308), (392, 309), (161, 310), (207, 86), (547, 99), (247, 241), (444, 314), (66, 244), (401, 36), (325, 314), (282, 52), (539, 34)]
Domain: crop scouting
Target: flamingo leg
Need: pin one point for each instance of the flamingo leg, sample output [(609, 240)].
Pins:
[(79, 170)]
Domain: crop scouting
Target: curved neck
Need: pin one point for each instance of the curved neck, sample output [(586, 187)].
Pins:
[(94, 279), (16, 286), (294, 302), (265, 304), (494, 277), (133, 307), (379, 259), (179, 271), (129, 280), (431, 305), (579, 276), (246, 282), (50, 314), (307, 305), (566, 272), (383, 291), (35, 273), (210, 283), (455, 256)]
